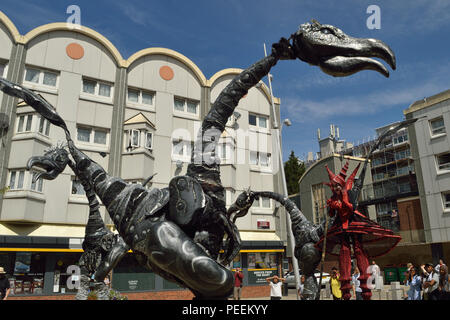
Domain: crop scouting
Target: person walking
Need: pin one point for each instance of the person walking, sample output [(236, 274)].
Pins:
[(431, 283), (238, 279), (335, 284), (374, 271), (442, 290), (409, 266), (275, 287), (4, 285), (438, 266), (302, 285), (414, 281), (357, 291)]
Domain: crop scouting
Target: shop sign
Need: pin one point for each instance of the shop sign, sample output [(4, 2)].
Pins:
[(259, 276)]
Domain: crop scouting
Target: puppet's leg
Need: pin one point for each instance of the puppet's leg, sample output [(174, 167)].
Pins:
[(345, 264), (363, 264), (168, 248)]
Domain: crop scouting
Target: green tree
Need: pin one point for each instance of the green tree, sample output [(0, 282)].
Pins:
[(293, 170)]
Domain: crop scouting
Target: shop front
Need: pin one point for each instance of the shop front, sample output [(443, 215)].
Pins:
[(38, 266)]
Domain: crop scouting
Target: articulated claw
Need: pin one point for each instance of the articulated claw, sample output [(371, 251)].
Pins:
[(242, 204), (233, 242)]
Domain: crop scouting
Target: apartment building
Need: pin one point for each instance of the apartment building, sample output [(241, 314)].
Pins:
[(430, 148), (135, 117)]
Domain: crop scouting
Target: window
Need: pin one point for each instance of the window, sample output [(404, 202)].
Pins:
[(25, 122), (378, 176), (224, 151), (148, 140), (258, 121), (377, 161), (229, 197), (2, 69), (443, 161), (140, 138), (137, 96), (446, 200), (21, 180), (403, 170), (89, 86), (260, 159), (42, 77), (263, 202), (88, 135), (135, 138), (83, 134), (402, 154), (37, 185), (25, 272), (404, 187), (16, 180), (97, 88), (185, 106), (264, 159), (400, 137), (77, 187), (254, 158), (32, 123), (437, 126)]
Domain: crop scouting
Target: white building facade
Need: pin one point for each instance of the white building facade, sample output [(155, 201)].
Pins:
[(135, 117)]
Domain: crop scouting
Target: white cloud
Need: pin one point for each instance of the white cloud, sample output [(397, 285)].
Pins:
[(304, 110)]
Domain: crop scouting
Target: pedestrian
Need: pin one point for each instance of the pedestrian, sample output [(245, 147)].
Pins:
[(374, 270), (107, 281), (414, 281), (438, 266), (302, 285), (335, 284), (275, 287), (442, 290), (357, 291), (431, 283), (238, 279), (4, 285), (409, 266)]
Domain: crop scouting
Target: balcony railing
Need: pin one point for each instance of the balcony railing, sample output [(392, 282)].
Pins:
[(369, 193)]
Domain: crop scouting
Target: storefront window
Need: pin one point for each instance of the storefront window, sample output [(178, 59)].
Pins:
[(129, 275), (25, 271), (262, 260), (262, 265), (237, 262), (60, 275)]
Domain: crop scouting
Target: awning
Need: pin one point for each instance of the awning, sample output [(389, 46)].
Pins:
[(259, 236)]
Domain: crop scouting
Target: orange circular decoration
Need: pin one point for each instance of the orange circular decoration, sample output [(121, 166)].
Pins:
[(166, 73), (75, 51)]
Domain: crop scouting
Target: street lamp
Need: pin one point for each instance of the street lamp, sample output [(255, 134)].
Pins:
[(288, 123)]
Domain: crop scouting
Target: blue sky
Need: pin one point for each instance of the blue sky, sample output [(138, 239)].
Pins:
[(230, 34)]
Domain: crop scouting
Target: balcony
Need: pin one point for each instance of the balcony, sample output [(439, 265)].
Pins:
[(372, 195)]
